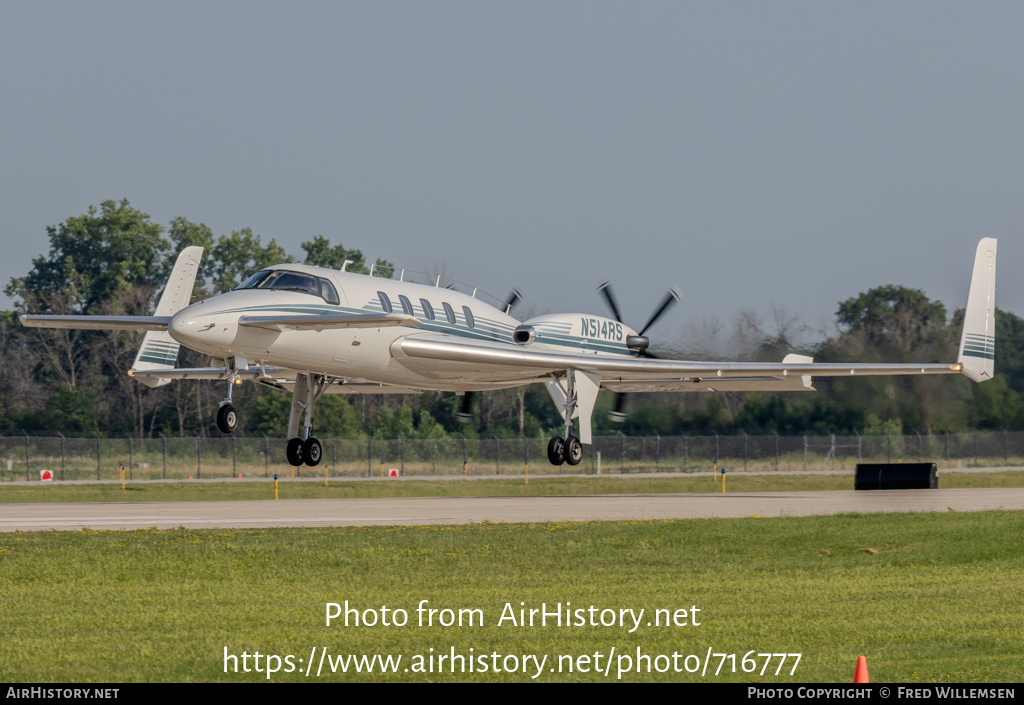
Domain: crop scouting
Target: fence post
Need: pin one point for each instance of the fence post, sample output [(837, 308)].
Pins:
[(61, 455), (859, 439), (622, 456), (433, 459), (776, 451), (131, 455), (266, 456), (888, 446), (975, 449), (234, 456), (1006, 452), (26, 455), (163, 442), (805, 452), (945, 438), (401, 451), (686, 451), (746, 439), (496, 467), (657, 452), (199, 460), (918, 445), (98, 461), (369, 455)]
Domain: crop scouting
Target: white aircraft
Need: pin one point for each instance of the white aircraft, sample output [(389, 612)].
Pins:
[(314, 330)]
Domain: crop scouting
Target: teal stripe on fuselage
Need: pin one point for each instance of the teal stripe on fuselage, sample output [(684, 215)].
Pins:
[(492, 331)]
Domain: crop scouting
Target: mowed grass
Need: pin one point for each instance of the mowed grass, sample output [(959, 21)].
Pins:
[(926, 597), (539, 486)]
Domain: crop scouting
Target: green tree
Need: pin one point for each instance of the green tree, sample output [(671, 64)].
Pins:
[(894, 324), (320, 253), (894, 320), (93, 257), (240, 254)]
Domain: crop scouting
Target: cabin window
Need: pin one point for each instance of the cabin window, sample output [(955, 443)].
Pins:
[(469, 317), (329, 292), (385, 302), (428, 310), (406, 304), (448, 312)]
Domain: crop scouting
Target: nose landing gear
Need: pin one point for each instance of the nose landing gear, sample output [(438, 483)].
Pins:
[(227, 415), (227, 418)]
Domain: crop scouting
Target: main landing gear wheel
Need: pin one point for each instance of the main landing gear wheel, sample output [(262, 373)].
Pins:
[(556, 451), (294, 452), (227, 419), (312, 451), (573, 451)]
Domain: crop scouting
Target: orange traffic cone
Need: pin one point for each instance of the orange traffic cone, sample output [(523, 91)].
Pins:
[(861, 674)]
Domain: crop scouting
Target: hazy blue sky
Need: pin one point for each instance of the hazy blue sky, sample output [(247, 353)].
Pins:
[(750, 153)]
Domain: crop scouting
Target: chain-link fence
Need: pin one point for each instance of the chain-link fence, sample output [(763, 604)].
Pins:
[(26, 457)]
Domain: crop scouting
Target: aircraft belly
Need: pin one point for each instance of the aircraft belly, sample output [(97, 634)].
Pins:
[(443, 370)]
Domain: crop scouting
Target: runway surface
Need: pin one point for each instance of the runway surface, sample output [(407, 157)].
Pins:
[(464, 510)]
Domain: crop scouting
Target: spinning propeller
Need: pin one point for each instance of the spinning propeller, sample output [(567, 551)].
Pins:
[(638, 342), (466, 410)]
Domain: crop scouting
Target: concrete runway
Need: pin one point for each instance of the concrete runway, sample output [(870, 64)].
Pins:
[(465, 510)]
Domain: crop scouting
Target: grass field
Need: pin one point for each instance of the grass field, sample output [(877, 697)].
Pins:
[(927, 597), (613, 484)]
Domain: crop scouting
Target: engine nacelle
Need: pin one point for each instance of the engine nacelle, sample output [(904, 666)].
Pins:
[(579, 331)]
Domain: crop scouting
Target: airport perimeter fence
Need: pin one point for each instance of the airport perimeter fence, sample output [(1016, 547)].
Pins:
[(25, 457)]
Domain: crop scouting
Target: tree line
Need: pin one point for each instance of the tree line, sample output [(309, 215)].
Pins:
[(114, 260)]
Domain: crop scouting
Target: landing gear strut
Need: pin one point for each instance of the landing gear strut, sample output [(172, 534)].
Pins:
[(567, 448), (227, 415), (305, 449)]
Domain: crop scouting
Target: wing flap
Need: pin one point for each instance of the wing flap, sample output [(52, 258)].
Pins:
[(734, 384)]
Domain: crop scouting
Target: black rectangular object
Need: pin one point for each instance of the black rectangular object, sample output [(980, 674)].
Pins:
[(896, 476)]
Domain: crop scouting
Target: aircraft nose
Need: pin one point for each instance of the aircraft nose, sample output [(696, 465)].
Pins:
[(188, 324)]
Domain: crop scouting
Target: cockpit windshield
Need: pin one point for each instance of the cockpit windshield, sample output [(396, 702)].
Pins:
[(284, 280)]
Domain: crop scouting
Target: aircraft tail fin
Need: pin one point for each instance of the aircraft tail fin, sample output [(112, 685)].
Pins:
[(978, 341), (159, 351)]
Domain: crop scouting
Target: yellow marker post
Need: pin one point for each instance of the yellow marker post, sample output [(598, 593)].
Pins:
[(121, 466), (723, 479), (325, 476), (526, 469), (382, 469), (464, 463), (714, 470), (275, 486)]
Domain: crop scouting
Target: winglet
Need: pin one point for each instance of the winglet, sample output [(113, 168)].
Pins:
[(159, 351), (978, 342)]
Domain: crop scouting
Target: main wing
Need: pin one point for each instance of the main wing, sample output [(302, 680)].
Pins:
[(443, 356)]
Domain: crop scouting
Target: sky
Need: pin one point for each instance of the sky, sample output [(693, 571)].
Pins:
[(755, 155)]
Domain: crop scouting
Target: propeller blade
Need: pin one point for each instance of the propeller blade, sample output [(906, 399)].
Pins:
[(465, 415), (606, 289), (513, 297), (673, 295), (617, 413)]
